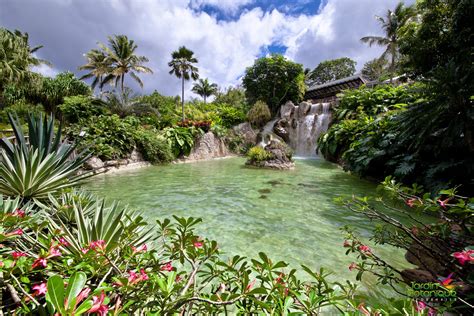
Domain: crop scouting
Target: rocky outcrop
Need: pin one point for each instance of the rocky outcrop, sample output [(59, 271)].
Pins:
[(246, 133), (206, 147), (279, 157), (96, 165)]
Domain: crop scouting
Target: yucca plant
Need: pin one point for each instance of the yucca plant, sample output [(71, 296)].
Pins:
[(38, 165)]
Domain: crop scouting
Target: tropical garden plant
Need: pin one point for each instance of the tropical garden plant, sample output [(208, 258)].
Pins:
[(204, 88)]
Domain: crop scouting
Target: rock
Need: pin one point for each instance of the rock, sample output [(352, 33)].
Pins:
[(111, 163), (93, 163), (417, 275), (286, 110), (208, 146), (281, 129), (246, 132), (280, 157), (424, 259), (303, 109), (136, 156)]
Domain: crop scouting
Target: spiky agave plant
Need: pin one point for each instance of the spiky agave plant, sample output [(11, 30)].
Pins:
[(33, 167)]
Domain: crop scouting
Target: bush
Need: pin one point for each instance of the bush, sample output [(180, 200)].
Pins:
[(180, 139), (230, 116), (258, 154), (153, 147), (80, 107), (22, 109), (259, 114)]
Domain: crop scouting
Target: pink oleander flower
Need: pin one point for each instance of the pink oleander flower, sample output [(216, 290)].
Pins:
[(365, 249), (198, 244), (464, 256), (40, 262), (250, 285), (16, 232), (98, 306), (419, 305), (410, 202), (347, 243), (97, 245), (167, 267), (142, 248), (54, 252), (443, 203), (143, 275), (18, 254), (63, 242), (352, 266), (85, 250), (39, 289)]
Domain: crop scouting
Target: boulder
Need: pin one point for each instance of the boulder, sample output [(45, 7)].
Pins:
[(280, 157), (281, 129), (208, 146), (135, 156), (303, 109), (93, 163), (246, 132), (287, 110)]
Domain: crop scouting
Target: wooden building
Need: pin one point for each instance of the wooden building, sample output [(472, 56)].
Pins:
[(327, 92)]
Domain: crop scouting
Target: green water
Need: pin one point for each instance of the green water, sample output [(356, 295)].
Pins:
[(290, 215)]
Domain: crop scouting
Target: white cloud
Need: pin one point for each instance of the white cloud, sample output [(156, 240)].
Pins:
[(228, 6), (45, 70)]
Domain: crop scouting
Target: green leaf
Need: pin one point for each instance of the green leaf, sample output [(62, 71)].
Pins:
[(75, 286), (55, 294)]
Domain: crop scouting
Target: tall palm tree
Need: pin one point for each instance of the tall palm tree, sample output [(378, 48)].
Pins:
[(205, 89), (122, 58), (182, 67), (98, 65), (391, 24)]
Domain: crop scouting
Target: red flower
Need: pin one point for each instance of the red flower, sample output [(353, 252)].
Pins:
[(365, 249), (167, 267), (54, 252), (16, 232), (464, 256), (142, 248), (98, 306), (19, 213), (347, 243), (18, 254), (133, 277), (419, 305), (410, 202), (39, 262), (40, 289), (97, 245), (250, 285), (198, 244), (352, 266), (63, 242), (143, 275), (443, 203), (178, 279)]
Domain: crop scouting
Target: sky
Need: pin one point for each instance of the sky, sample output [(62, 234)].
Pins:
[(225, 35)]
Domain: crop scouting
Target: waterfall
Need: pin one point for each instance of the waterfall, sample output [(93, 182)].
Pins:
[(266, 135)]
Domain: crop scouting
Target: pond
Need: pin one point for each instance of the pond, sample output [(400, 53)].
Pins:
[(290, 215)]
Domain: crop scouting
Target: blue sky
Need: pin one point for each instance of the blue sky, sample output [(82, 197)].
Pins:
[(226, 35)]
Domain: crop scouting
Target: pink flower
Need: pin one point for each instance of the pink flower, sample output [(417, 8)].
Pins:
[(432, 312), (2, 264), (18, 254), (410, 202), (143, 275), (347, 243), (365, 249), (40, 289), (464, 256), (142, 248), (133, 277), (83, 295), (85, 250), (19, 213), (198, 244), (97, 245), (443, 203), (98, 306), (16, 232), (352, 266), (54, 252), (167, 267), (63, 242), (39, 262), (250, 285), (419, 305)]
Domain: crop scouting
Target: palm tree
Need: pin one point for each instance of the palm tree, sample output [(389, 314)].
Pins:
[(205, 89), (98, 65), (391, 24), (121, 56), (182, 67)]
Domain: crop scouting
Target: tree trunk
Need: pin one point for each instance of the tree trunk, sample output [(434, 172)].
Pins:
[(123, 77), (205, 99), (182, 95)]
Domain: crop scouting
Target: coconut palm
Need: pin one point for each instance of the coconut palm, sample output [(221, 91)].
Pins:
[(98, 66), (391, 24), (123, 60), (205, 89), (182, 67)]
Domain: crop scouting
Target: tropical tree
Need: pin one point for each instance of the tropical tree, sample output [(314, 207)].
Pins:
[(205, 89), (274, 80), (98, 66), (392, 22), (121, 57), (374, 69), (182, 67), (330, 70)]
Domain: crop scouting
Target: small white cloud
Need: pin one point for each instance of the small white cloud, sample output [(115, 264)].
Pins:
[(227, 6), (45, 70)]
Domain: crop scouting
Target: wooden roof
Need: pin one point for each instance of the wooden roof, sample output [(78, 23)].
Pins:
[(329, 89)]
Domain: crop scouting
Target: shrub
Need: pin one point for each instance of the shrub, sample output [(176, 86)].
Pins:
[(230, 116), (21, 109), (180, 139), (80, 107), (258, 154), (259, 114), (153, 147)]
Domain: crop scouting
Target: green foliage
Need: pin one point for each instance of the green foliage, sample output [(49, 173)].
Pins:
[(259, 114), (180, 139), (166, 107), (258, 154), (274, 80), (154, 148), (233, 96), (230, 116), (41, 165), (204, 88), (80, 107), (330, 70), (22, 109), (375, 69)]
